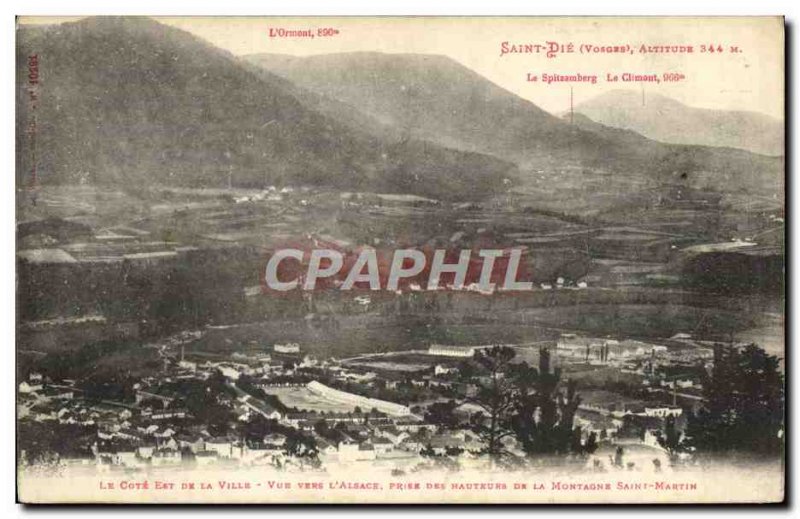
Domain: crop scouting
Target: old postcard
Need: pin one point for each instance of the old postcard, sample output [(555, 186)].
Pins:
[(400, 260)]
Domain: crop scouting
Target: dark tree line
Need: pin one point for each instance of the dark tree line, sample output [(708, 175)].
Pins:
[(744, 408), (532, 405)]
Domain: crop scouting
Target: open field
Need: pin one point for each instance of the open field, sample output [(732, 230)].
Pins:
[(348, 336), (601, 376), (206, 278), (386, 365)]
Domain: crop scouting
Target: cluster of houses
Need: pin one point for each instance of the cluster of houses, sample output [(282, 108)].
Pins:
[(639, 358), (154, 431), (565, 283), (607, 403), (613, 352), (200, 448)]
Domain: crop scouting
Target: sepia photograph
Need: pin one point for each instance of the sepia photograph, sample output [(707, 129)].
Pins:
[(400, 260)]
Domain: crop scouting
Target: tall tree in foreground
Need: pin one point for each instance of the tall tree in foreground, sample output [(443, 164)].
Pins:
[(544, 417), (443, 415), (744, 409), (495, 395), (670, 438), (532, 405)]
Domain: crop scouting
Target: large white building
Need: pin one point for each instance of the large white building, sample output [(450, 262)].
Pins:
[(290, 347), (452, 351), (356, 452)]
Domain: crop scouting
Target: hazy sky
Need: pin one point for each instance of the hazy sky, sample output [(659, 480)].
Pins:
[(749, 80)]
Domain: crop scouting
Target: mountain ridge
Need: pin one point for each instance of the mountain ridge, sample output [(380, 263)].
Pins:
[(668, 120), (131, 101), (454, 105)]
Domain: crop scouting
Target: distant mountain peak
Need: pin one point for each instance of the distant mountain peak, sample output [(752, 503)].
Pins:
[(438, 99), (666, 119)]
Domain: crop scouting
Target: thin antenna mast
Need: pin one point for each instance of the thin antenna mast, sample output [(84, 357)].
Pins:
[(571, 107)]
